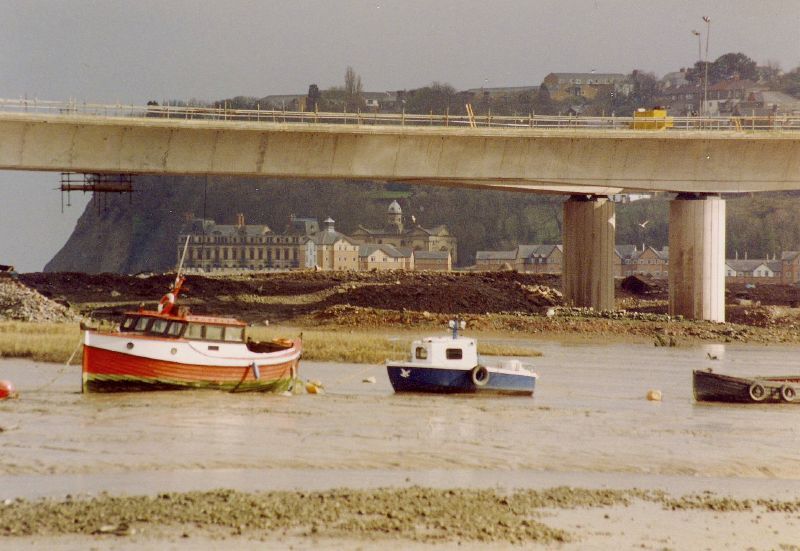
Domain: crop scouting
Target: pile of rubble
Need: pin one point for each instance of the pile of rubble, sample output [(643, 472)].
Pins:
[(20, 303)]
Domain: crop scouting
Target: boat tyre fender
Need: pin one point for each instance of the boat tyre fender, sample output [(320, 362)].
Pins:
[(757, 392), (788, 393), (480, 375)]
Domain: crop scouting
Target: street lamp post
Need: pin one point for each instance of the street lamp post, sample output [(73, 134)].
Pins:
[(705, 80), (699, 40)]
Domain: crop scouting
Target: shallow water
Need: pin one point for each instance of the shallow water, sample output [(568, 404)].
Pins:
[(589, 423)]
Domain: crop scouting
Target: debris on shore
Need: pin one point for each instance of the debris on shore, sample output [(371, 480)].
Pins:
[(20, 303)]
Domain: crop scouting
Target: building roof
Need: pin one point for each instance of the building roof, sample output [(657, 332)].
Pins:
[(394, 208), (496, 255), (209, 227), (733, 84), (775, 265), (305, 226), (588, 76), (534, 251), (500, 90), (789, 255), (747, 266), (626, 251), (389, 250), (329, 237), (432, 255), (380, 96)]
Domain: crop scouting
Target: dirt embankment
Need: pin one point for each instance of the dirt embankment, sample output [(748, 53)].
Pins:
[(502, 301)]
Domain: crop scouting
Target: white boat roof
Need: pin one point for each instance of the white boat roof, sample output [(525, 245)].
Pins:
[(448, 340)]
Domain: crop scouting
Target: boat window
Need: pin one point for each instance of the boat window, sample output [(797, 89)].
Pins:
[(142, 323), (422, 353), (214, 332), (128, 323), (175, 328), (159, 326), (194, 331), (234, 334), (453, 354)]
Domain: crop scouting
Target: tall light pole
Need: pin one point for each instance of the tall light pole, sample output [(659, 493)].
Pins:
[(705, 83), (699, 40)]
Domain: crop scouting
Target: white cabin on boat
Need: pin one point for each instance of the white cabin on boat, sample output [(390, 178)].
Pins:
[(445, 352)]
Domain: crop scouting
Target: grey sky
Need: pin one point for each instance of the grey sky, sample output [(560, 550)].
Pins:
[(133, 51)]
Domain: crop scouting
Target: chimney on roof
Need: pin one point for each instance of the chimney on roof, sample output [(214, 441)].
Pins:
[(328, 224), (745, 255), (736, 253), (240, 220)]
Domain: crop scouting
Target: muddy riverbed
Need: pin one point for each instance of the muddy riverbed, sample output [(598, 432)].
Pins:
[(588, 426)]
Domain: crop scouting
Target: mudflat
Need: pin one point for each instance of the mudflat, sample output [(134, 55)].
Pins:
[(588, 463)]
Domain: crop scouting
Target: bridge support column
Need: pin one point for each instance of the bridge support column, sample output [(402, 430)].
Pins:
[(697, 257), (588, 267)]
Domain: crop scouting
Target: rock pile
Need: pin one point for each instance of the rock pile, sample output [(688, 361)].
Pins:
[(20, 303)]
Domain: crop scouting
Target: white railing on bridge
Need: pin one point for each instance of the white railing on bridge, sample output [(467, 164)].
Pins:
[(737, 123)]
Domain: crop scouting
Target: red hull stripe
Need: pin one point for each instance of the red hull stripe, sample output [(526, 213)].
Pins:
[(97, 361)]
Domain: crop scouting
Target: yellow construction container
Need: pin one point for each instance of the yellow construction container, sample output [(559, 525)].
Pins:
[(651, 119)]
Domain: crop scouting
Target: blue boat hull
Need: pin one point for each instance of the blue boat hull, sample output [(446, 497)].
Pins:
[(452, 381)]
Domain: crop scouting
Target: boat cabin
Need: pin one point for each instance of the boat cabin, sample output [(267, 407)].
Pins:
[(460, 352), (189, 327)]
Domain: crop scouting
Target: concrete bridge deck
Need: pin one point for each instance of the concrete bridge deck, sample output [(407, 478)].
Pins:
[(600, 155)]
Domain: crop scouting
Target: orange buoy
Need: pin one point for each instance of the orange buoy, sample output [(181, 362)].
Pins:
[(7, 390)]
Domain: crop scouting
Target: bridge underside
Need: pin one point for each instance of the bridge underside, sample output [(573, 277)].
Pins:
[(573, 161)]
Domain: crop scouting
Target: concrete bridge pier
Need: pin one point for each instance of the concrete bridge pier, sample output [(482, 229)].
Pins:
[(697, 256), (588, 236)]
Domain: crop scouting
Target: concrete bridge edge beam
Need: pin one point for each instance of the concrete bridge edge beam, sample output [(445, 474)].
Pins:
[(589, 232), (697, 257)]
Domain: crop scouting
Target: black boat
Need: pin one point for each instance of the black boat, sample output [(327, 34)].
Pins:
[(716, 387)]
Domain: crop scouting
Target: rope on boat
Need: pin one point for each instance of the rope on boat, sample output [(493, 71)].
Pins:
[(63, 368)]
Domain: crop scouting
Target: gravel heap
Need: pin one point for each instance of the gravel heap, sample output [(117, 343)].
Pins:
[(20, 303)]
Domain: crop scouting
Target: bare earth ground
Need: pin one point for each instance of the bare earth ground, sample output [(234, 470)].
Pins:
[(507, 302)]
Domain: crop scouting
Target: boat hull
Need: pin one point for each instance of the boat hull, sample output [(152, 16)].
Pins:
[(716, 387), (455, 381), (113, 371)]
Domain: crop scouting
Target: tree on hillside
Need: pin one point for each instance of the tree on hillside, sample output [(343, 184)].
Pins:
[(645, 90), (724, 67), (730, 65), (437, 98), (313, 98), (353, 90), (789, 83)]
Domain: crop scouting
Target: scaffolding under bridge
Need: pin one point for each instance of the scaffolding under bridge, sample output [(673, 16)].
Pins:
[(94, 183)]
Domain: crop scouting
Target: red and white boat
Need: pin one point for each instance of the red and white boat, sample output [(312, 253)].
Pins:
[(171, 349)]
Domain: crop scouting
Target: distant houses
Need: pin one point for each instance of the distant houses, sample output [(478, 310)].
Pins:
[(643, 261), (303, 244)]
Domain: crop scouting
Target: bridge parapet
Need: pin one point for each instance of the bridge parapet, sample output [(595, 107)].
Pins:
[(739, 124)]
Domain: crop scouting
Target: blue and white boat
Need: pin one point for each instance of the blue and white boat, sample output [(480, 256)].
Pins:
[(451, 365)]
